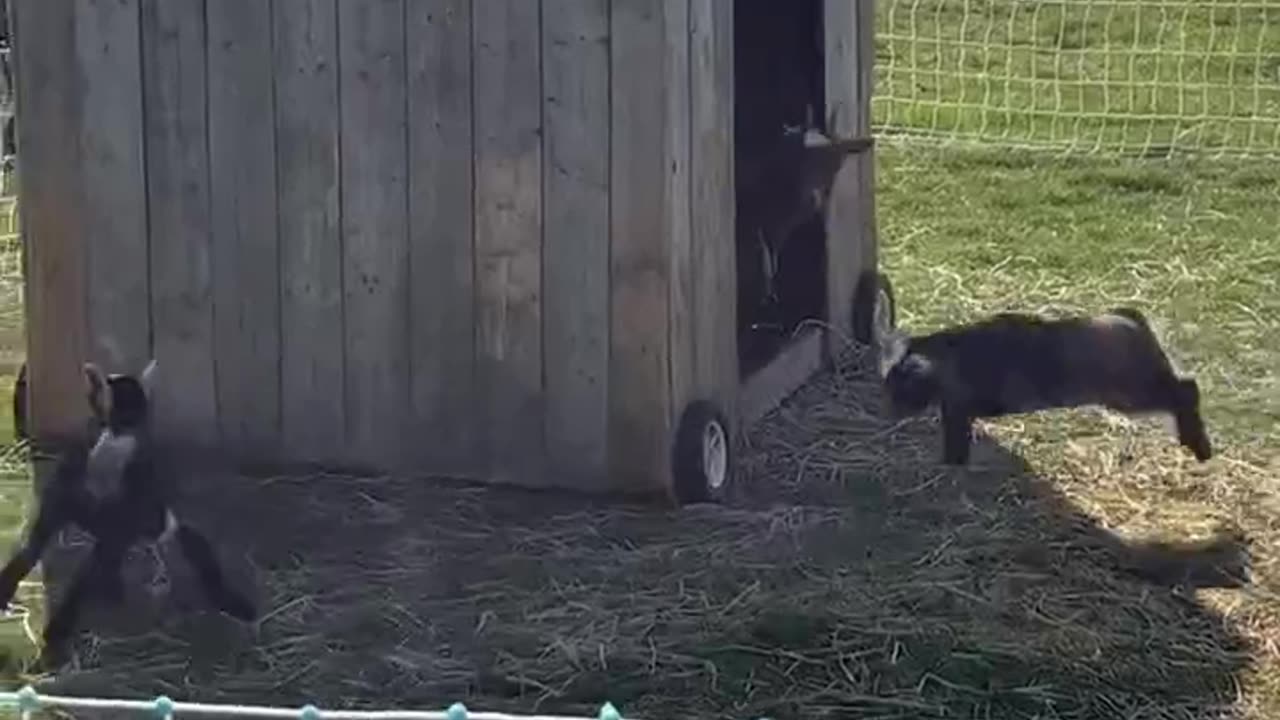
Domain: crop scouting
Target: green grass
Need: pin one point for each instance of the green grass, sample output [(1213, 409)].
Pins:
[(1188, 74), (971, 229), (1195, 245), (16, 649)]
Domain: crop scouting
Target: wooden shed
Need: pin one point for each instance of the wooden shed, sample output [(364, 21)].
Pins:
[(490, 239)]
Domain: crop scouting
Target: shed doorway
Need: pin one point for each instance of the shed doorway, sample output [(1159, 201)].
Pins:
[(779, 76)]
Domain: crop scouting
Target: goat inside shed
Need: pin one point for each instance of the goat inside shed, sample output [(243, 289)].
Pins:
[(779, 53)]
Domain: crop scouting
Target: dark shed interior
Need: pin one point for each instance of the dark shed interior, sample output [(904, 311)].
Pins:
[(779, 53)]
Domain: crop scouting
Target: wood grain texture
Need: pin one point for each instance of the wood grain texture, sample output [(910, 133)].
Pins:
[(441, 250), (242, 191), (677, 190), (508, 211), (48, 90), (844, 105), (640, 387), (108, 50), (575, 42), (767, 387), (712, 187), (307, 143), (177, 161), (375, 228), (866, 162)]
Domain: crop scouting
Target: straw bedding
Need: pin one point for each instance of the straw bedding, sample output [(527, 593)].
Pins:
[(851, 577)]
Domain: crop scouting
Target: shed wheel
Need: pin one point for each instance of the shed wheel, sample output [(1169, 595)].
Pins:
[(874, 311), (702, 460)]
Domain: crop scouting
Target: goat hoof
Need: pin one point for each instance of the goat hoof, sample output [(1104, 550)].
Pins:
[(1201, 451)]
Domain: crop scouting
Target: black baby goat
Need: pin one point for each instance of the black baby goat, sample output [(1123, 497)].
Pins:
[(1019, 363), (115, 490)]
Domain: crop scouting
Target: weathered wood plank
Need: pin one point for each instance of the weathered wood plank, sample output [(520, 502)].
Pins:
[(575, 45), (844, 234), (508, 208), (48, 68), (311, 328), (677, 188), (242, 190), (375, 227), (866, 162), (442, 305), (177, 161), (108, 50), (715, 256), (640, 387), (48, 91), (767, 387), (864, 34)]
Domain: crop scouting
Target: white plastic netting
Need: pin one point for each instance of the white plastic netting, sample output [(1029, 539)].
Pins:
[(1146, 77)]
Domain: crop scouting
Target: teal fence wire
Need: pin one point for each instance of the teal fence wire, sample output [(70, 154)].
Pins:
[(28, 702)]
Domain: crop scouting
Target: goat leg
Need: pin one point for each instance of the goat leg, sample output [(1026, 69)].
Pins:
[(51, 517), (109, 583), (957, 434), (1186, 413), (200, 555), (104, 561)]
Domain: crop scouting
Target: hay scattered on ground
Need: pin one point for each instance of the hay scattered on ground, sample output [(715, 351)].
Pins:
[(851, 577)]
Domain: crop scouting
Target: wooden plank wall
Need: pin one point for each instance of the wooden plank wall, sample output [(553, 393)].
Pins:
[(576, 183), (849, 28), (178, 218), (507, 117), (111, 169), (481, 237), (307, 122), (441, 249), (48, 88), (715, 286), (243, 224), (374, 190)]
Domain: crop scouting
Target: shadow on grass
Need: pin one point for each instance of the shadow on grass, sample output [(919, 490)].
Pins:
[(850, 577)]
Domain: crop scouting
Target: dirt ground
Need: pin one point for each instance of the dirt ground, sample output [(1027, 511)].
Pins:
[(851, 577)]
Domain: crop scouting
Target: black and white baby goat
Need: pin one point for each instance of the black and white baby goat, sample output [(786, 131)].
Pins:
[(1019, 363), (115, 491)]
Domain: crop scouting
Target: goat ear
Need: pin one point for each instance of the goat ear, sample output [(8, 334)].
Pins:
[(893, 347), (96, 387), (148, 378), (95, 379)]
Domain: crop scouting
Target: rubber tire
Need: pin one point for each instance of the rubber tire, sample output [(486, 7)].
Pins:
[(689, 475), (864, 305)]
